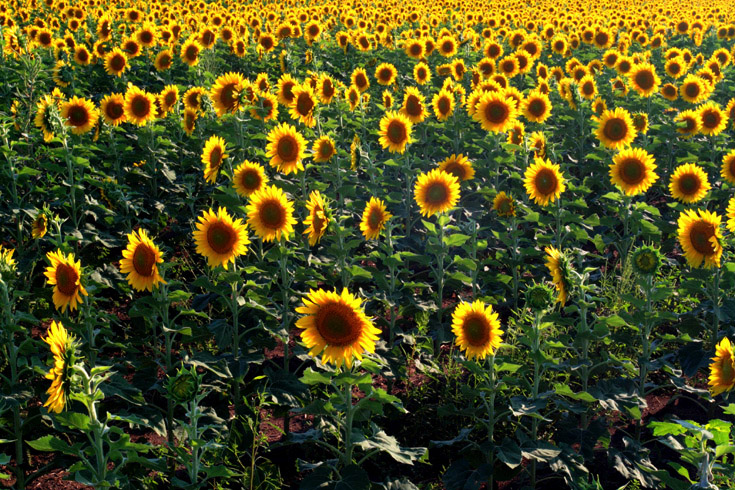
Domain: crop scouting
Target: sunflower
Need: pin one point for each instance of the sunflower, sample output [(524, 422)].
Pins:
[(537, 107), (39, 227), (81, 55), (615, 128), (643, 79), (140, 106), (544, 182), (188, 122), (352, 94), (139, 261), (286, 85), (270, 214), (387, 99), (220, 238), (360, 79), (323, 149), (495, 112), (689, 183), (43, 117), (193, 98), (722, 369), (326, 89), (317, 220), (116, 62), (249, 178), (730, 213), (414, 105), (395, 132), (727, 170), (640, 122), (286, 148), (477, 329), (537, 143), (436, 191), (112, 108), (225, 93), (386, 74), (65, 275), (63, 348), (80, 114), (168, 97), (443, 104), (459, 166), (693, 89), (374, 218), (714, 119), (190, 51), (303, 105), (586, 87), (336, 326), (415, 49), (508, 66), (504, 205), (421, 73), (164, 60), (700, 237), (633, 171), (558, 265), (670, 92), (689, 123), (213, 155)]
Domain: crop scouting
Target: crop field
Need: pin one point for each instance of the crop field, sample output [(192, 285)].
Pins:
[(353, 245)]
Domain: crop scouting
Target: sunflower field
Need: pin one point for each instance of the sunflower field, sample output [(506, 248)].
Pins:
[(355, 245)]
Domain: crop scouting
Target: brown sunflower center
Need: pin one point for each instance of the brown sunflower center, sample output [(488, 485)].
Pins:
[(727, 371), (537, 107), (226, 96), (169, 98), (689, 184), (456, 169), (215, 157), (496, 112), (83, 55), (273, 215), (318, 220), (114, 110), (421, 73), (632, 171), (250, 180), (396, 132), (287, 148), (476, 330), (78, 116), (191, 52), (360, 81), (144, 259), (505, 206), (710, 119), (437, 194), (164, 60), (325, 149), (691, 124), (546, 182), (66, 279), (644, 79), (691, 89), (304, 104), (327, 88), (385, 74), (267, 43), (615, 129), (375, 218), (413, 106), (338, 324), (140, 106), (731, 167), (146, 37), (588, 88), (700, 234), (444, 105), (415, 49), (221, 237)]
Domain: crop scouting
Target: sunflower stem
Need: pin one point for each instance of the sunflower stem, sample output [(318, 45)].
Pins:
[(441, 252), (234, 306), (536, 381), (715, 286), (490, 407), (646, 348), (89, 324), (346, 456)]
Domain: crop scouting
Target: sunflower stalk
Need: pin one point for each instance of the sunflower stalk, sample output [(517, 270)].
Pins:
[(645, 358), (235, 309), (714, 294), (440, 254), (490, 408), (89, 322), (286, 280), (537, 371), (163, 306), (70, 175)]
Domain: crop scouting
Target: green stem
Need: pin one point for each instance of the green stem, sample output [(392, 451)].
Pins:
[(646, 349), (715, 332), (490, 407), (234, 306), (535, 387), (346, 457)]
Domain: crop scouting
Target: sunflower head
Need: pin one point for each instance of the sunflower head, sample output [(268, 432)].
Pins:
[(39, 227), (65, 275), (270, 214), (647, 260), (436, 191), (477, 329), (633, 171), (318, 217), (728, 167), (7, 264), (615, 129), (286, 148), (544, 181), (185, 385), (722, 368), (689, 183), (539, 297), (504, 205), (700, 237), (140, 262), (459, 166), (395, 132), (335, 326), (63, 347), (220, 238), (560, 268), (374, 218), (248, 178)]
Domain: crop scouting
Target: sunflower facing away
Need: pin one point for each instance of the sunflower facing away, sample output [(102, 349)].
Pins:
[(336, 326), (212, 157), (558, 266), (286, 148), (544, 182), (477, 329), (722, 368), (318, 219), (65, 275), (436, 191), (395, 132), (374, 218), (43, 117), (633, 171), (689, 183), (63, 348), (140, 260), (700, 237), (270, 214), (220, 238), (615, 128), (249, 178)]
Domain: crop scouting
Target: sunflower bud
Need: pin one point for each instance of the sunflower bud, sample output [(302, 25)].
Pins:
[(539, 297), (647, 260), (184, 386)]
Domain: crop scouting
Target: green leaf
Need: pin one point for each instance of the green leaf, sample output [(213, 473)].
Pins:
[(456, 240), (388, 444), (509, 453), (666, 429), (73, 420), (50, 443), (565, 390), (353, 478), (312, 377)]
